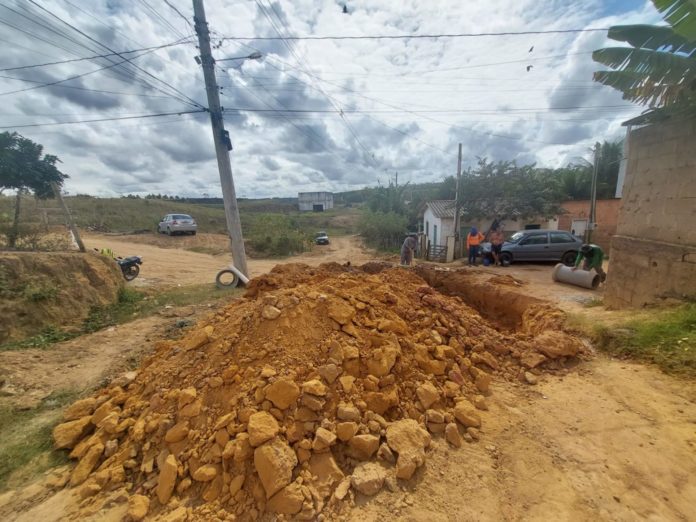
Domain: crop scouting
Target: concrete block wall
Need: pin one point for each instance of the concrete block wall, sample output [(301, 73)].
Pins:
[(653, 254)]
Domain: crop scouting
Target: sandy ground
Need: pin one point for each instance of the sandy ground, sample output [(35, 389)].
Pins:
[(609, 440), (164, 264)]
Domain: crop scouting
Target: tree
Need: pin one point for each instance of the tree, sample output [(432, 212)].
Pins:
[(660, 68), (504, 189), (24, 167)]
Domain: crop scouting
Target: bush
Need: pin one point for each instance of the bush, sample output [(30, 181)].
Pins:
[(277, 235), (383, 230)]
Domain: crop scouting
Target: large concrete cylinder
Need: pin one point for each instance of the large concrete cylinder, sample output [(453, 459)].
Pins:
[(583, 278)]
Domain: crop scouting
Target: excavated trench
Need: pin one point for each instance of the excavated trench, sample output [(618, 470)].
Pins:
[(501, 306)]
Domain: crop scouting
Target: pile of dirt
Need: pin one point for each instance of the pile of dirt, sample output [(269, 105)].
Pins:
[(52, 289), (319, 385)]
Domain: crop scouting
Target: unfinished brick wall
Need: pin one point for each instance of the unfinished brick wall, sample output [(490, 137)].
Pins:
[(653, 254), (607, 218)]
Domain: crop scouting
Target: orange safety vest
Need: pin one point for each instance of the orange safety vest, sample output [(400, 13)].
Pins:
[(474, 240)]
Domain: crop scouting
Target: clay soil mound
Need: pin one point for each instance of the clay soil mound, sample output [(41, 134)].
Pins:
[(52, 289), (319, 385)]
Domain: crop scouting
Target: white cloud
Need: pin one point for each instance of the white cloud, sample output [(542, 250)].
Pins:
[(479, 90)]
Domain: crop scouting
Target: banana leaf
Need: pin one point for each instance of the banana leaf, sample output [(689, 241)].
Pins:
[(680, 14), (662, 38)]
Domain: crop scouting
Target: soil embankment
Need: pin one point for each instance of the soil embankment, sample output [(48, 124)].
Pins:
[(39, 290)]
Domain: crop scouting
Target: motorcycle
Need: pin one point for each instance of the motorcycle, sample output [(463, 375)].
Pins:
[(130, 266)]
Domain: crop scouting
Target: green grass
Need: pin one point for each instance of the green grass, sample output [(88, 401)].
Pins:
[(26, 442), (131, 304), (667, 338)]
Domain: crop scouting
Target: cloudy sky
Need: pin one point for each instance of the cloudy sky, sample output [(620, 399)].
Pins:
[(311, 114)]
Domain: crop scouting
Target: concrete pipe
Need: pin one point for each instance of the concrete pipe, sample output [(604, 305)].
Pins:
[(583, 278)]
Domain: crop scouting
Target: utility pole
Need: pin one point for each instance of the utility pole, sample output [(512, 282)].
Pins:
[(593, 196), (457, 238), (221, 139), (68, 215)]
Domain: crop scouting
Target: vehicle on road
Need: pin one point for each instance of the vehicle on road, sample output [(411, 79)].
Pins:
[(321, 238), (177, 224), (541, 245)]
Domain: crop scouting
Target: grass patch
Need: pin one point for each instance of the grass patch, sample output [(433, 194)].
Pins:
[(666, 338), (26, 447), (595, 301), (131, 304)]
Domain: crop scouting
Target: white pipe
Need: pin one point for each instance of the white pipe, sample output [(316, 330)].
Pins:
[(566, 274)]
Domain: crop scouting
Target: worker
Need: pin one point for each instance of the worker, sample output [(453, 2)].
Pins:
[(408, 248), (591, 256), (473, 241), (497, 239)]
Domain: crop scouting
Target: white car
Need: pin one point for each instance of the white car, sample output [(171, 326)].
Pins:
[(177, 224)]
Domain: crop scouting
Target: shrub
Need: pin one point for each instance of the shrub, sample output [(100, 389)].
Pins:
[(383, 230)]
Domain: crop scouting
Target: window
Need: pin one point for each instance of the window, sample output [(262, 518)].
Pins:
[(561, 237), (435, 235), (427, 228), (535, 239)]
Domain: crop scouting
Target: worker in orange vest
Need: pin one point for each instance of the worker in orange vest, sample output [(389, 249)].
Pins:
[(473, 242)]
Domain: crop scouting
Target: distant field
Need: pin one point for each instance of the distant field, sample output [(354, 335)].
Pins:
[(127, 215)]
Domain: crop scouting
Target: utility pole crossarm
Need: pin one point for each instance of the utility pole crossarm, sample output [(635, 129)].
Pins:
[(234, 226)]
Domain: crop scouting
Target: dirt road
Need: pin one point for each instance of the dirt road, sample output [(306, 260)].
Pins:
[(167, 265)]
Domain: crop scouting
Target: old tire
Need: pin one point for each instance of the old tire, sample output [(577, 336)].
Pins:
[(226, 279), (131, 272), (568, 259)]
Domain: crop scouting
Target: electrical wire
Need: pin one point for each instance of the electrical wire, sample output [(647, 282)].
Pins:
[(416, 36), (181, 15), (71, 60), (101, 119), (190, 100)]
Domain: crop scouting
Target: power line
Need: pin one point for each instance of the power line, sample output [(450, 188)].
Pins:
[(165, 23), (93, 57), (445, 111), (180, 113), (414, 36), (191, 101), (179, 13), (88, 89), (49, 84)]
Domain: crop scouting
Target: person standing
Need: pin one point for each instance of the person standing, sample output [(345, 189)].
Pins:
[(473, 241), (591, 256), (407, 249), (497, 239)]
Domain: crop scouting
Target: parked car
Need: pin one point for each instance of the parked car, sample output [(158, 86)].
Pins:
[(541, 245), (177, 224), (321, 239)]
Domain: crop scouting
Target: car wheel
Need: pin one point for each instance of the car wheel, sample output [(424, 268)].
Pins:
[(506, 258), (193, 233), (568, 258)]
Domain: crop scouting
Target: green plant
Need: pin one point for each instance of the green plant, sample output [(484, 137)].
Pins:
[(383, 230), (38, 293), (668, 339), (659, 69), (26, 440)]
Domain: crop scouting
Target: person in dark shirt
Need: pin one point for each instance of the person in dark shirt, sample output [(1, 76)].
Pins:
[(407, 249)]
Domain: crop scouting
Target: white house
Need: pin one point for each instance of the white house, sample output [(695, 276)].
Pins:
[(315, 201), (438, 221)]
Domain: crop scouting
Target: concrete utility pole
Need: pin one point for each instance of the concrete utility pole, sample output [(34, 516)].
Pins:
[(457, 226), (593, 196), (221, 139), (68, 215)]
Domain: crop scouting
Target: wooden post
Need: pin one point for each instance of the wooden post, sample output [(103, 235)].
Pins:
[(71, 223)]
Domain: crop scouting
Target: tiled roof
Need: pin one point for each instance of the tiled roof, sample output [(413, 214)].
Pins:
[(442, 207)]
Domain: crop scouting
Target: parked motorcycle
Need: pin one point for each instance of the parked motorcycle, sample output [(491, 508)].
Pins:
[(130, 266)]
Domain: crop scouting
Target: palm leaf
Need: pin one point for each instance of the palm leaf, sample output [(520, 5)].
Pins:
[(657, 66), (638, 88), (680, 14), (662, 38)]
